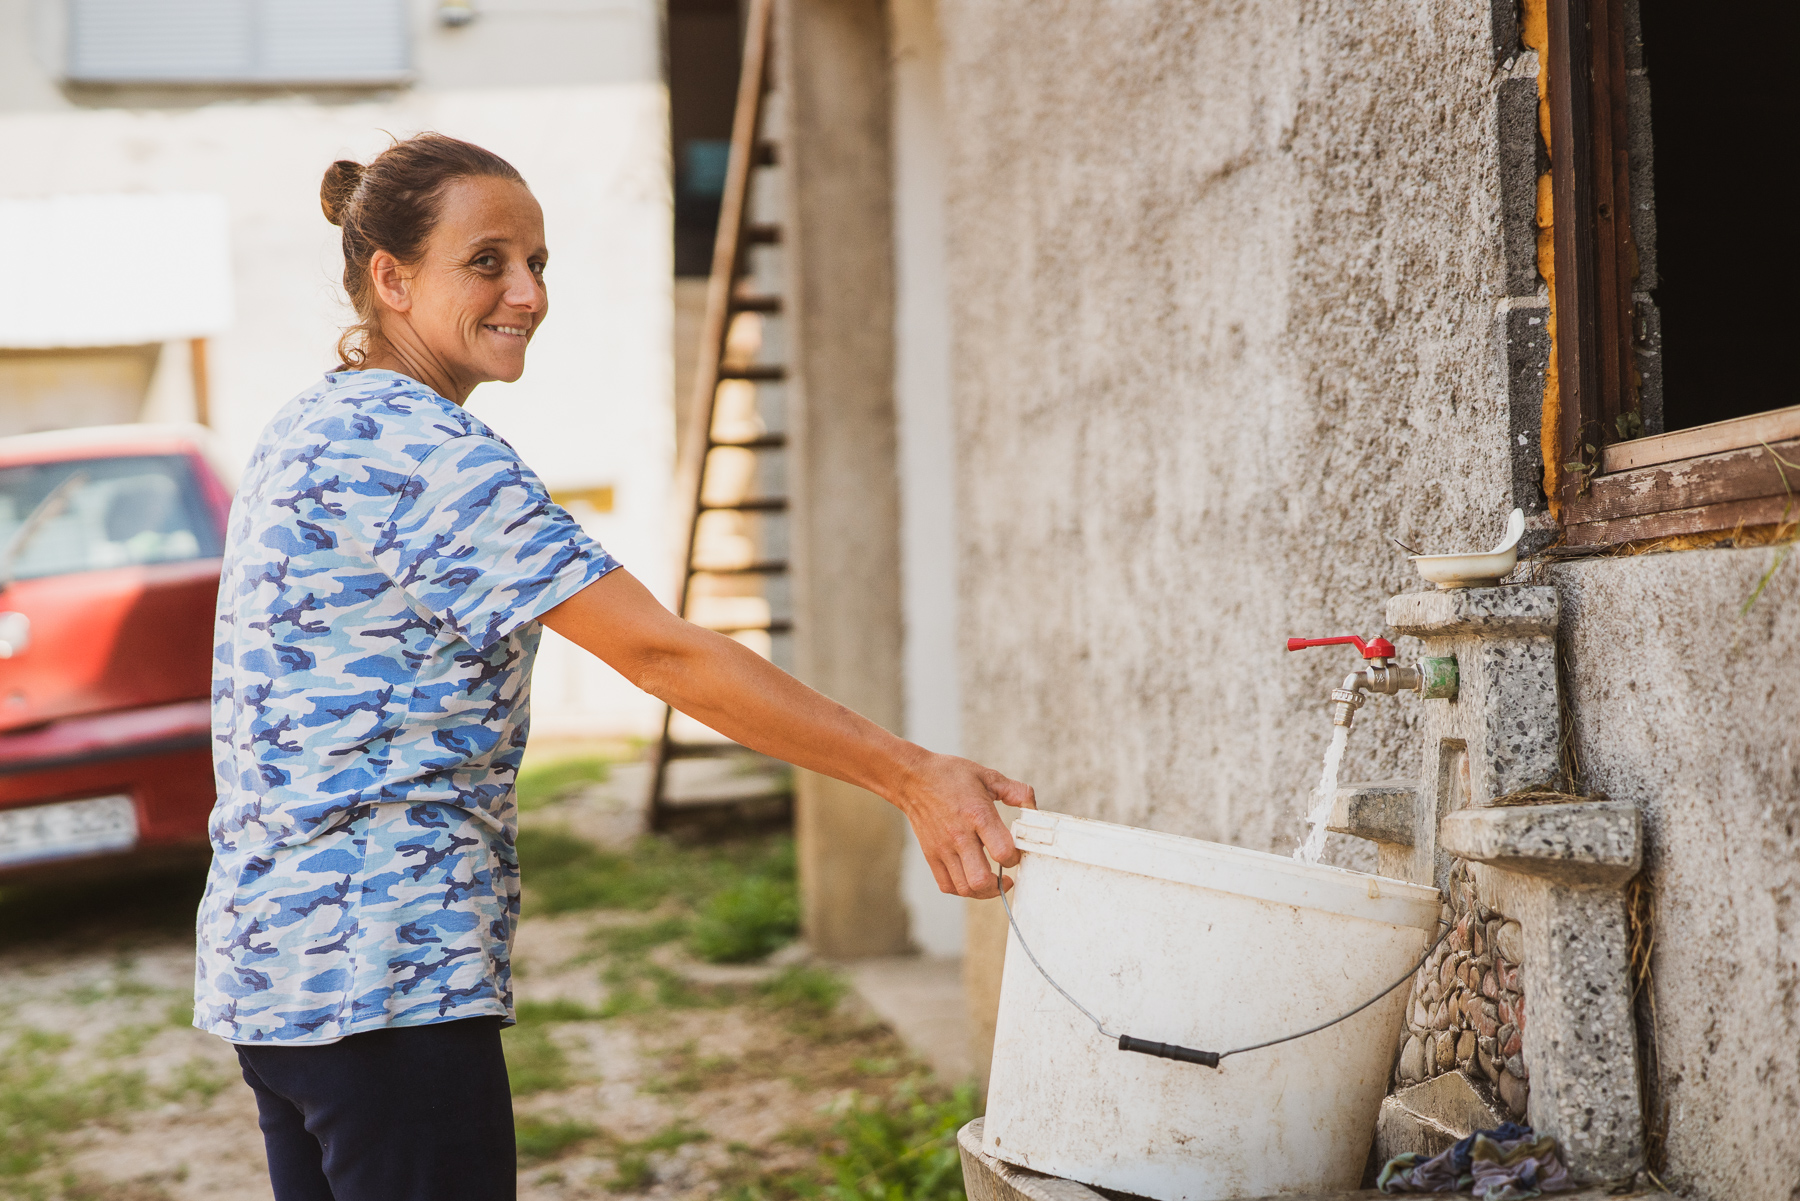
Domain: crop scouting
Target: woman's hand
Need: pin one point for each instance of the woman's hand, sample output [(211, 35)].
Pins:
[(949, 801)]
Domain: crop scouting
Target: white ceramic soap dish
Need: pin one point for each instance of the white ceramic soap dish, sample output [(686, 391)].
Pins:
[(1475, 570)]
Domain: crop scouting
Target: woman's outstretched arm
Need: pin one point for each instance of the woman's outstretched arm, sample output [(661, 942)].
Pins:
[(949, 801)]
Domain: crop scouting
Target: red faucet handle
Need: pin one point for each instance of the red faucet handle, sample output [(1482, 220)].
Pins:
[(1378, 648)]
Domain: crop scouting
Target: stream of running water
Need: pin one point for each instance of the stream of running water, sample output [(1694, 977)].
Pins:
[(1324, 797)]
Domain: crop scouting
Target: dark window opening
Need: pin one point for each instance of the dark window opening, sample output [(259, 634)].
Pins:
[(705, 45), (1723, 108)]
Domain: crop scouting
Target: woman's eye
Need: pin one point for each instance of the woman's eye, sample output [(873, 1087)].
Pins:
[(537, 269), (487, 260)]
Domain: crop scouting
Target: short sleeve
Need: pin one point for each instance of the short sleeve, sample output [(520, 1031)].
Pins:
[(475, 539)]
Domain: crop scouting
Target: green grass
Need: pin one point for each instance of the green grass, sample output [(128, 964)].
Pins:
[(805, 991), (687, 1071), (125, 1041), (563, 873), (198, 1078), (636, 939), (541, 1139), (39, 1099), (532, 1013), (634, 985), (900, 1149), (540, 786), (633, 1171), (534, 1063)]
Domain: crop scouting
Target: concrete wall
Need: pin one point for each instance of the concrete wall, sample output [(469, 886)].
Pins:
[(927, 437), (573, 96), (1223, 280), (1229, 291), (1685, 705), (832, 56)]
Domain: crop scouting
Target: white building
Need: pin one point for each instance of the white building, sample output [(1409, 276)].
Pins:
[(162, 172)]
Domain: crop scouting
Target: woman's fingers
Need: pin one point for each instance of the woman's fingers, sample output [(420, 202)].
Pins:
[(1009, 791), (959, 830), (995, 837), (941, 874), (976, 870), (950, 864)]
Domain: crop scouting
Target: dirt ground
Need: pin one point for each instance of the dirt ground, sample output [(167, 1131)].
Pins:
[(637, 1069)]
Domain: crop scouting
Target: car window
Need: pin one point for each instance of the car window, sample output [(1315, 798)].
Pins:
[(121, 511)]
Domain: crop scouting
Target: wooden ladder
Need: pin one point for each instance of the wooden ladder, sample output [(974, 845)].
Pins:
[(728, 580)]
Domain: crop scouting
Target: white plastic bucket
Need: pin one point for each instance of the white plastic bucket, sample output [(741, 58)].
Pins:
[(1206, 946)]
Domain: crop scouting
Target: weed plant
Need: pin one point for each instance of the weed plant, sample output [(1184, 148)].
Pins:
[(746, 920), (902, 1148)]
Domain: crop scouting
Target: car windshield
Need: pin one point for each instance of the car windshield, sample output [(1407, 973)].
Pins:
[(122, 511)]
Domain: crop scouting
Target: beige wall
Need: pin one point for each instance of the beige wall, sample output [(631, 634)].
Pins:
[(1227, 285), (53, 389), (1685, 703)]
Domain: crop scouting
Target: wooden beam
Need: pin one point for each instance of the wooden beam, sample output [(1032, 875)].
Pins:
[(202, 382), (1778, 425), (728, 250), (1572, 197), (1705, 519), (1736, 475), (1615, 256)]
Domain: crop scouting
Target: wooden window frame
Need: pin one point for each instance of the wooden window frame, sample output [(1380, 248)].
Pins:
[(1711, 479)]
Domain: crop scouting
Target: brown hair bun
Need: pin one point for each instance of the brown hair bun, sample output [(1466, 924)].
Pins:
[(338, 186)]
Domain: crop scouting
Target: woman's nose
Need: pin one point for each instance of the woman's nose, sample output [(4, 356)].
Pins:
[(524, 290)]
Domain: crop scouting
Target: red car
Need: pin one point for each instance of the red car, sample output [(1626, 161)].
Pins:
[(110, 543)]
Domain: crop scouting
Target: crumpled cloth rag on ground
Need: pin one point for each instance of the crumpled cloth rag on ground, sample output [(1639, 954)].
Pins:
[(1509, 1163)]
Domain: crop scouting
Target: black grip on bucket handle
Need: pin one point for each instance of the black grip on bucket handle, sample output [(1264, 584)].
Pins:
[(1144, 1046)]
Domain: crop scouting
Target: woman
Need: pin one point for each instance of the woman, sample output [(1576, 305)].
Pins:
[(389, 562)]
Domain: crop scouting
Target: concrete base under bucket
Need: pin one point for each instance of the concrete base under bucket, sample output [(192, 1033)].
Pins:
[(988, 1179)]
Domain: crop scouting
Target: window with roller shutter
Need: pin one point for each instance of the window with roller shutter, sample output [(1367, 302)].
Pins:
[(238, 41)]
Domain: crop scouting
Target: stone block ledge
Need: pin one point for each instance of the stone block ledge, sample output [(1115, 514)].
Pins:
[(988, 1179), (1523, 611), (1588, 842), (1380, 812)]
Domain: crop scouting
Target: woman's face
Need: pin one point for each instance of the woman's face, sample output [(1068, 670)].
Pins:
[(472, 302)]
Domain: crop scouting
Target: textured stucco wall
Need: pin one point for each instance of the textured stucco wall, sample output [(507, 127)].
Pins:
[(1224, 279), (1691, 710)]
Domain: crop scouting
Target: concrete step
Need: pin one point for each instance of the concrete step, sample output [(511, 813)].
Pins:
[(988, 1179)]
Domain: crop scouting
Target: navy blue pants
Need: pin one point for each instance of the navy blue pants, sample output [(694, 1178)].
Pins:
[(419, 1113)]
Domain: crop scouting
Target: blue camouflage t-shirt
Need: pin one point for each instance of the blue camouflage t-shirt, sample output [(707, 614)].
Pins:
[(388, 557)]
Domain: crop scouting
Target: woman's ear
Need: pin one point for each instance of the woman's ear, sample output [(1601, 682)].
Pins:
[(392, 284)]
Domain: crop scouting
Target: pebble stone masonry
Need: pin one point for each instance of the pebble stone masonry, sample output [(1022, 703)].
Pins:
[(1533, 885), (1467, 1010)]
